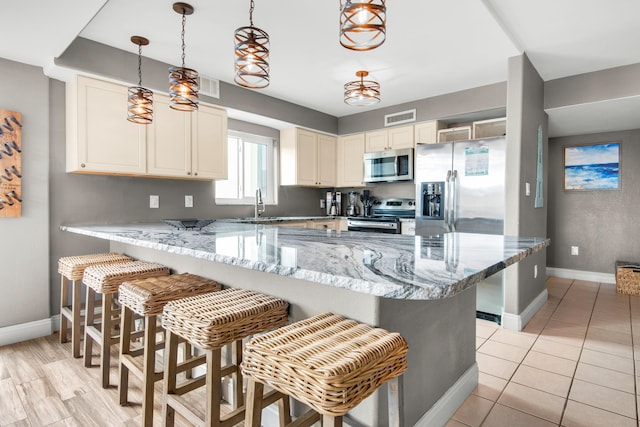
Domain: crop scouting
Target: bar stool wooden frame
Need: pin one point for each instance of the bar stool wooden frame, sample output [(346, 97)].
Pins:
[(146, 298)]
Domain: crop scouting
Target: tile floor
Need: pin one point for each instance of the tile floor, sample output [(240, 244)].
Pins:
[(574, 364)]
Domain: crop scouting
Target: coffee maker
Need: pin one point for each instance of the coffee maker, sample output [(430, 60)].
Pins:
[(352, 207), (333, 203)]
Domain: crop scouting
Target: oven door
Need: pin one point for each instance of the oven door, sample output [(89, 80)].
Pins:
[(391, 227)]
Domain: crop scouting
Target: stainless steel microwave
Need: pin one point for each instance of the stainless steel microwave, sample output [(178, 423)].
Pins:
[(386, 166)]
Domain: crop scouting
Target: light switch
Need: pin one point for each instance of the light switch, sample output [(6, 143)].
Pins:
[(575, 250), (527, 189), (154, 202), (188, 201)]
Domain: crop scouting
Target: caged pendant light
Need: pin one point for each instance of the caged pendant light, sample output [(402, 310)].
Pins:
[(252, 55), (183, 82), (140, 99), (362, 24), (362, 92)]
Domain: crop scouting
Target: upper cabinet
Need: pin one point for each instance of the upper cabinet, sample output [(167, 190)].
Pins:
[(427, 132), (176, 144), (307, 158), (350, 160), (99, 137), (389, 139)]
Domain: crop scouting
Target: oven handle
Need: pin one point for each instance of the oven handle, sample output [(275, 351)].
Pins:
[(373, 225)]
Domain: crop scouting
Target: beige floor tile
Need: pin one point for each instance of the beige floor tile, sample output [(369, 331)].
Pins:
[(454, 423), (473, 411), (611, 322), (542, 380), (503, 351), (501, 416), (604, 398), (494, 366), (609, 361), (548, 362), (533, 402), (42, 404), (553, 348), (519, 339), (564, 332), (484, 331), (578, 316), (579, 415), (585, 285), (605, 377), (535, 325), (11, 408), (479, 342), (489, 387), (611, 342)]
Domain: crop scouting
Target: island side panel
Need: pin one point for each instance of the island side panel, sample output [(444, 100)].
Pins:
[(441, 338)]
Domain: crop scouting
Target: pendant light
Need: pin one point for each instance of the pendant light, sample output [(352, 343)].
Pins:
[(140, 99), (362, 24), (183, 82), (362, 92), (252, 55)]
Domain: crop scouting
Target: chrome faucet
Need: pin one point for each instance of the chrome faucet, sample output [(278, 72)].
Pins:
[(259, 211)]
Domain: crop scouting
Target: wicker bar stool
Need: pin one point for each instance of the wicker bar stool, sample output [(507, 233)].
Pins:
[(71, 269), (209, 322), (328, 362), (147, 297), (105, 279)]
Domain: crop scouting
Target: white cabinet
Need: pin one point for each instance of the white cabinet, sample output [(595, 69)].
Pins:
[(350, 160), (389, 139), (307, 158), (427, 132), (187, 145), (99, 137), (331, 224), (490, 128)]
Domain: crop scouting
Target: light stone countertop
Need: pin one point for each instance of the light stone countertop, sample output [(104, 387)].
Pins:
[(385, 265)]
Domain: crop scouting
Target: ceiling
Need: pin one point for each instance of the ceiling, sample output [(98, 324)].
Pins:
[(432, 47)]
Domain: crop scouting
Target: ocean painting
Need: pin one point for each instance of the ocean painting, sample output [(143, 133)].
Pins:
[(592, 167)]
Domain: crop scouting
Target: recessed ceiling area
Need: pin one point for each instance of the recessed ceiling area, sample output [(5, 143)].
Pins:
[(432, 48)]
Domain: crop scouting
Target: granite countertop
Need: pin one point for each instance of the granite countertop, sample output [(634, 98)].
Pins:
[(385, 265), (282, 219)]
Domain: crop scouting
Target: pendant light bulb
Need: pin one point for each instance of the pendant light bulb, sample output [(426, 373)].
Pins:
[(362, 24), (252, 55), (140, 99), (183, 81)]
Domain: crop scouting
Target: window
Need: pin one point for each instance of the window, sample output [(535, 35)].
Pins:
[(251, 166)]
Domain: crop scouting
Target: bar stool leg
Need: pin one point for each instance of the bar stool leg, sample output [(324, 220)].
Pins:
[(284, 411), (396, 401), (253, 414), (76, 326), (331, 421), (214, 395), (149, 369), (125, 348), (64, 299), (88, 322), (170, 367), (107, 325), (238, 399)]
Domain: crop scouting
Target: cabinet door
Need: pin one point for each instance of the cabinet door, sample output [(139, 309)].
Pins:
[(376, 141), (169, 142), (326, 160), (427, 132), (209, 143), (401, 137), (350, 160), (306, 158), (105, 142)]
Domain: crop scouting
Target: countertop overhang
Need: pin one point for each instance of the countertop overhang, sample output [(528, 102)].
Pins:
[(383, 265)]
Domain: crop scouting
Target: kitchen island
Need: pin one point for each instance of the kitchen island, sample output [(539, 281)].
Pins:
[(421, 287)]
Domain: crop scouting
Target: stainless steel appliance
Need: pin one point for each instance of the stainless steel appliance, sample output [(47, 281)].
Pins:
[(460, 186), (385, 217), (333, 203), (387, 166), (352, 207)]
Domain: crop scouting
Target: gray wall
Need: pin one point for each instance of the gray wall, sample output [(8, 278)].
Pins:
[(603, 224), (25, 240), (525, 113)]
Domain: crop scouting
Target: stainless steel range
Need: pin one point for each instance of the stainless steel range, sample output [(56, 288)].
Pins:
[(385, 216)]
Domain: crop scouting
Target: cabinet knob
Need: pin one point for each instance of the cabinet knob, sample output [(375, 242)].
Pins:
[(82, 165), (188, 173), (196, 174)]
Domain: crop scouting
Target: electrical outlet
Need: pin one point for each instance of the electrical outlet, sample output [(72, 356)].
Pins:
[(575, 250), (154, 202), (322, 205), (535, 271), (188, 201), (527, 189)]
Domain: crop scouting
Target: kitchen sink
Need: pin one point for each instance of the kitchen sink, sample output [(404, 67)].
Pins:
[(189, 223)]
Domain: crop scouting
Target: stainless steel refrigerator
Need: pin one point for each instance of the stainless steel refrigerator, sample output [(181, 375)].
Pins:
[(460, 186)]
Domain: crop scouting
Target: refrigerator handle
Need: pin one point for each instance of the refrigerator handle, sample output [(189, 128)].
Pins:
[(447, 196), (452, 221)]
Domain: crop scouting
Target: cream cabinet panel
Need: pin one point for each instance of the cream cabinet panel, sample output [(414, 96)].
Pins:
[(389, 139), (100, 139), (427, 132), (350, 156), (307, 158), (209, 143), (332, 224), (169, 141)]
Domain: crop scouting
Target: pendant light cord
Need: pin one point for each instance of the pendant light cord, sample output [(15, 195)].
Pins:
[(140, 64), (184, 19), (251, 13)]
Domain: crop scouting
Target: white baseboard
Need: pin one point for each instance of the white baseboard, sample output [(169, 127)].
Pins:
[(448, 404), (516, 322), (25, 331), (592, 276)]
